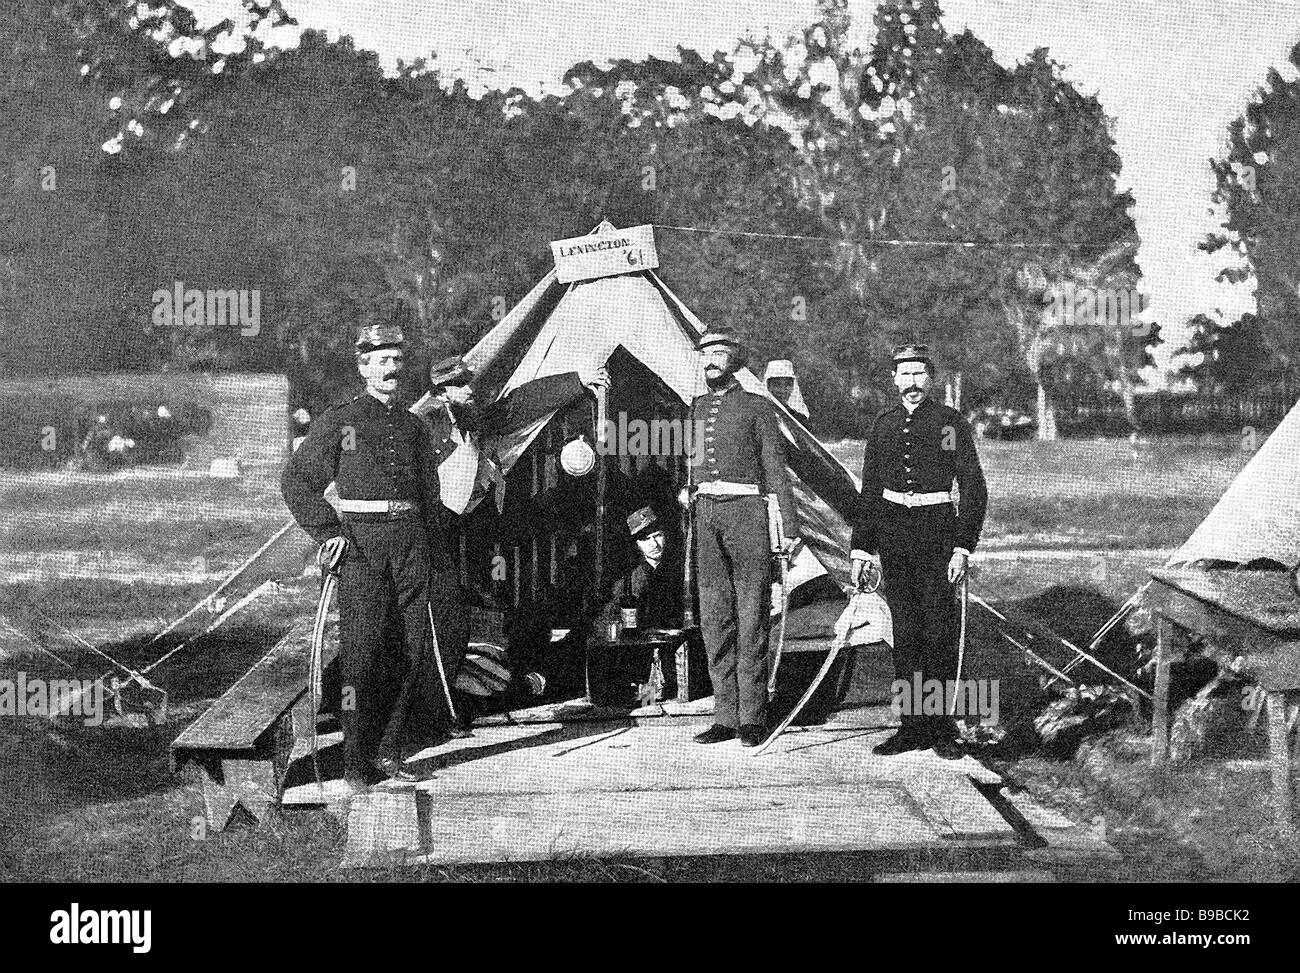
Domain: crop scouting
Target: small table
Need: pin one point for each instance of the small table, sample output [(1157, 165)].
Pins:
[(644, 646), (1251, 623)]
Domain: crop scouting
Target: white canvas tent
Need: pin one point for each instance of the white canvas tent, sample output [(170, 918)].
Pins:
[(561, 327), (1258, 516)]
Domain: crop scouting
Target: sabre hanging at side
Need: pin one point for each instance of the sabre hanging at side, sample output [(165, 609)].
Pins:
[(315, 662)]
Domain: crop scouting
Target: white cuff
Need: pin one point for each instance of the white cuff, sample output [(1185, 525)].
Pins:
[(961, 550), (859, 556)]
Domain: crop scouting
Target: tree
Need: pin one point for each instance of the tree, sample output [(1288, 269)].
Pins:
[(1235, 358), (1258, 193)]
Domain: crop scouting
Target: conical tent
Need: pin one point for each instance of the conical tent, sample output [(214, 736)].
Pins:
[(563, 327), (1258, 516)]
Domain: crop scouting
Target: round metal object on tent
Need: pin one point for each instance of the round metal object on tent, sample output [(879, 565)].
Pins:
[(577, 458)]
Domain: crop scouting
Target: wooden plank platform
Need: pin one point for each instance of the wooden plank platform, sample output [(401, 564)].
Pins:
[(539, 791)]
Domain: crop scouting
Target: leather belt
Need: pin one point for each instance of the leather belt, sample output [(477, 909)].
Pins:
[(389, 508), (724, 488), (916, 499)]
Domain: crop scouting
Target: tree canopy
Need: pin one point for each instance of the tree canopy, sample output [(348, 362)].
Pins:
[(825, 200), (1258, 195)]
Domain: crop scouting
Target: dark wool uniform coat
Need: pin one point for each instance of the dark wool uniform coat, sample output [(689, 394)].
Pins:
[(738, 442), (391, 571), (920, 452), (370, 451)]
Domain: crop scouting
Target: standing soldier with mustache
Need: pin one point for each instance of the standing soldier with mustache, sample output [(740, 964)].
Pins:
[(914, 453), (388, 544), (740, 461)]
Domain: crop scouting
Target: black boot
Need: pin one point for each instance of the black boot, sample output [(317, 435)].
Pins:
[(717, 733), (904, 741), (390, 766)]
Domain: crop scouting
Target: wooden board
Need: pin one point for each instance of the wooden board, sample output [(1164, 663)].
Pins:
[(1264, 599), (537, 791), (257, 700), (1267, 657), (729, 820)]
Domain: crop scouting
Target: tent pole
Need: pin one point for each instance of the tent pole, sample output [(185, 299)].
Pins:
[(598, 578), (688, 533)]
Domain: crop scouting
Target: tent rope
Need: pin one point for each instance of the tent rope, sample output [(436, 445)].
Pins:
[(890, 242), (1079, 653)]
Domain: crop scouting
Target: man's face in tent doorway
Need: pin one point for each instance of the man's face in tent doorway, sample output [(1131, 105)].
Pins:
[(380, 370), (913, 380), (651, 546)]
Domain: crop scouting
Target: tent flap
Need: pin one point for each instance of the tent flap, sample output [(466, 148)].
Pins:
[(589, 320)]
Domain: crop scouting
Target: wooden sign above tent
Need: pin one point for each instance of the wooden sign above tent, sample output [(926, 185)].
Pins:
[(605, 252)]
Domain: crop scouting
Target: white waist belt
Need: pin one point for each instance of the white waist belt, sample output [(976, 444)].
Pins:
[(723, 488), (916, 499), (378, 506)]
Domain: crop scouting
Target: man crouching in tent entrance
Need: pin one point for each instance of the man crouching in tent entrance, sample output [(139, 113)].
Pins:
[(740, 461), (387, 544), (465, 443)]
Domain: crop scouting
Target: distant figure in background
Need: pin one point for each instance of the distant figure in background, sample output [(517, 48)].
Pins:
[(781, 383)]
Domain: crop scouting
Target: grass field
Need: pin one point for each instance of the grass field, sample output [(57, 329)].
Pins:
[(103, 804), (1097, 493)]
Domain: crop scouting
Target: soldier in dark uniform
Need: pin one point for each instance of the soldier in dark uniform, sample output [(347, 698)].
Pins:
[(739, 462), (654, 583), (653, 586), (388, 542), (914, 452)]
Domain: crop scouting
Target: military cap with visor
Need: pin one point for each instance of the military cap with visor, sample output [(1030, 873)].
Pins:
[(373, 337)]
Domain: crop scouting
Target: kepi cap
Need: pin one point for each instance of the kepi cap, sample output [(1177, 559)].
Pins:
[(642, 521), (783, 368), (913, 352), (372, 337), (778, 368), (723, 336), (450, 371)]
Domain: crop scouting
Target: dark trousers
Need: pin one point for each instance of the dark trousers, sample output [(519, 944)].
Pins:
[(915, 547), (383, 632), (734, 574)]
